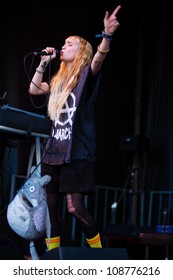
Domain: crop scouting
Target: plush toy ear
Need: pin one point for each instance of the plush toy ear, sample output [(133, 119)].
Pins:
[(45, 180)]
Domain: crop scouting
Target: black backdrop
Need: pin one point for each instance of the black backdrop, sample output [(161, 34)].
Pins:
[(136, 93)]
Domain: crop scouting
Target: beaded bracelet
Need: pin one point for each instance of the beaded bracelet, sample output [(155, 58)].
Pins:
[(102, 51)]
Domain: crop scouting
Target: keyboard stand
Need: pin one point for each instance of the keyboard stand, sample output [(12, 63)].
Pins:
[(34, 150)]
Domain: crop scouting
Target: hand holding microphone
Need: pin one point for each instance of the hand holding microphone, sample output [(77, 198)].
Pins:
[(48, 51), (46, 56)]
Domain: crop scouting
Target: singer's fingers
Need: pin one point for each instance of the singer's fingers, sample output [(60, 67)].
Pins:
[(49, 50), (113, 14), (106, 15), (116, 10)]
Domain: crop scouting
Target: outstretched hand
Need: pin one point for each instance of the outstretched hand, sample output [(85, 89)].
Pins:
[(110, 21)]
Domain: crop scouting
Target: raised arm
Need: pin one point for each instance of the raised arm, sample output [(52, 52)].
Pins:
[(110, 26)]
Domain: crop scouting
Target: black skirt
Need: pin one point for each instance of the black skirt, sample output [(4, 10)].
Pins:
[(74, 177)]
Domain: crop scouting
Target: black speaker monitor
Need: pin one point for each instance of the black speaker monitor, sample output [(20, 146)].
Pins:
[(80, 253)]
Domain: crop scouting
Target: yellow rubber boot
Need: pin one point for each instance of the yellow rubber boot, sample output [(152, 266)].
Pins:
[(54, 242), (94, 242)]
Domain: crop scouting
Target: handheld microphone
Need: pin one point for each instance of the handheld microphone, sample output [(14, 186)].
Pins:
[(45, 53)]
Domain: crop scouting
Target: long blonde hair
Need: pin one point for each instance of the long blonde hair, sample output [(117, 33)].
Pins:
[(63, 81)]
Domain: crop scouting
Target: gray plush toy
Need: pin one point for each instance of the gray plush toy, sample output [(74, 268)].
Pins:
[(27, 213)]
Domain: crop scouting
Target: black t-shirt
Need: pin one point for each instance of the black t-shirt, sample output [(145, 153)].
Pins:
[(73, 133)]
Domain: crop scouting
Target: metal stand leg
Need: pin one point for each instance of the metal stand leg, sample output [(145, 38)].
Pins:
[(38, 153), (147, 252), (35, 148), (31, 157), (167, 253)]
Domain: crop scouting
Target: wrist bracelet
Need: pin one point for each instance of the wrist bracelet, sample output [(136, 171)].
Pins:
[(108, 37), (102, 51), (104, 35)]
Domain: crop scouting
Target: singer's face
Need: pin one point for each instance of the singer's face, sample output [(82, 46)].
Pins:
[(69, 50)]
